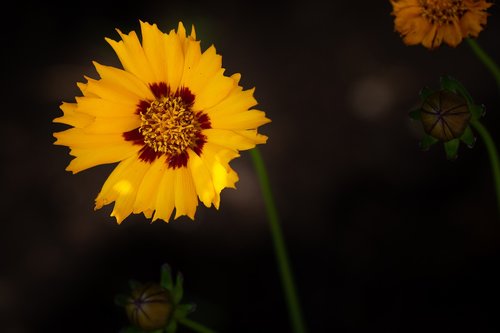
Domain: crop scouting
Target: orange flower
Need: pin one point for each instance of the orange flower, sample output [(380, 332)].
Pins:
[(430, 22)]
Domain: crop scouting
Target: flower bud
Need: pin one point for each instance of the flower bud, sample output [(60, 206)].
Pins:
[(445, 115), (149, 307)]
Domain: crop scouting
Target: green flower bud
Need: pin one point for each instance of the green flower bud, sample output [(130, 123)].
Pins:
[(149, 307), (155, 307), (445, 115)]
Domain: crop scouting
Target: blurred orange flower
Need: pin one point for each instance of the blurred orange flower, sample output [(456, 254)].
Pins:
[(431, 22)]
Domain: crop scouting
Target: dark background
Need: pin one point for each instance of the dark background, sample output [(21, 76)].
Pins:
[(382, 236)]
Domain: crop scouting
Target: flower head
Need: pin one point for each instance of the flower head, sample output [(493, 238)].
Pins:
[(171, 120), (430, 22)]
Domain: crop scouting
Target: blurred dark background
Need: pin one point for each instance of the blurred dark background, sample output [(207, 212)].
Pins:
[(382, 236)]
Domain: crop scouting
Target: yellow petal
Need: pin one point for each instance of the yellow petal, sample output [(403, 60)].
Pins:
[(409, 12), (174, 59), (217, 160), (208, 65), (401, 4), (471, 23), (214, 91), (414, 30), (165, 196), (452, 34), (193, 33), (148, 190), (240, 121), (181, 33), (113, 125), (121, 187), (83, 88), (104, 108), (153, 45), (236, 77), (202, 178), (192, 55), (77, 137), (429, 41), (236, 140), (127, 189), (107, 195), (185, 193), (73, 117), (132, 57), (253, 136), (87, 158), (185, 40), (236, 102), (125, 81)]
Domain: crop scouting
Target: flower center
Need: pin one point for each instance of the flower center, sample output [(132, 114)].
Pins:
[(170, 126), (443, 11)]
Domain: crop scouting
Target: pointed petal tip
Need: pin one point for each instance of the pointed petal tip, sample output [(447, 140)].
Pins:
[(71, 169), (148, 213), (99, 204), (193, 32), (118, 216)]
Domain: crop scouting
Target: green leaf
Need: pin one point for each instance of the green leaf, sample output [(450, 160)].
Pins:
[(427, 142), (183, 310), (425, 93), (450, 83), (477, 111), (415, 114), (178, 291), (166, 277), (451, 148), (171, 327), (468, 137)]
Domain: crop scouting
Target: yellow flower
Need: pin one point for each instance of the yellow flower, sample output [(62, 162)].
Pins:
[(170, 118), (430, 22)]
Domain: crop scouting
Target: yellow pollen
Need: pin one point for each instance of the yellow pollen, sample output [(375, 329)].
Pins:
[(443, 11), (169, 126)]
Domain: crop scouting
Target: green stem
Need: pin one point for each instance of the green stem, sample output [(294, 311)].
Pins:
[(485, 59), (493, 154), (286, 275), (197, 327)]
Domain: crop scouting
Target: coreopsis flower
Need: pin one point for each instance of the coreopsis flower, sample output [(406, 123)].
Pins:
[(431, 22), (171, 120)]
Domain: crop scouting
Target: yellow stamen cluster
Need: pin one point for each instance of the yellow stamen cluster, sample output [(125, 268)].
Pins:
[(168, 126), (442, 11)]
